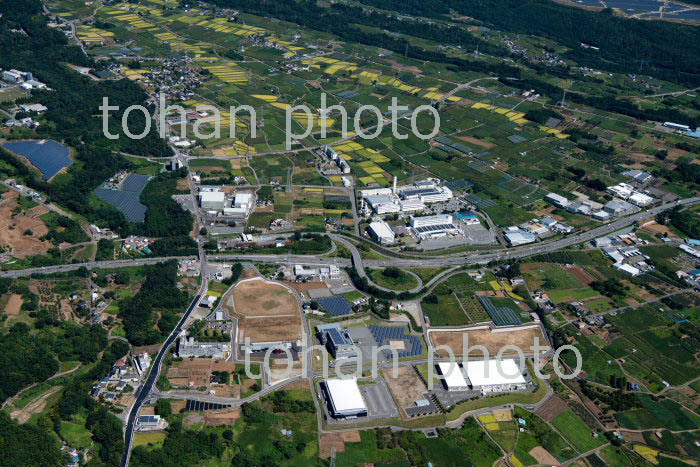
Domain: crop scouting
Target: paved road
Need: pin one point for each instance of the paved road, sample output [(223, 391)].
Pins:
[(144, 390), (91, 265), (480, 257)]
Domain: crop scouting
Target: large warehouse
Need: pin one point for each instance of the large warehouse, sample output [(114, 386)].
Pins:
[(454, 379), (484, 375), (344, 398)]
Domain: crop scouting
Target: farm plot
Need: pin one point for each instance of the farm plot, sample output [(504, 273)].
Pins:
[(576, 431), (539, 443), (651, 344), (453, 303)]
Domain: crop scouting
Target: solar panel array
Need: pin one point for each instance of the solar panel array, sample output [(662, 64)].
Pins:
[(501, 316), (434, 228), (49, 157), (336, 306), (384, 334), (197, 406), (128, 198)]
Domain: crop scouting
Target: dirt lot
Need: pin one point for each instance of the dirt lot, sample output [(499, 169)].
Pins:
[(190, 373), (543, 456), (471, 139), (222, 419), (269, 312), (259, 297), (553, 407), (407, 388), (493, 341), (14, 305), (12, 227), (582, 275), (335, 442), (34, 407)]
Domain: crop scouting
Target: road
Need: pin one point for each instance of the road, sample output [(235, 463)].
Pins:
[(480, 257), (142, 393)]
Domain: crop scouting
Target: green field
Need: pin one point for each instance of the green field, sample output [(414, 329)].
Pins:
[(576, 431), (402, 282)]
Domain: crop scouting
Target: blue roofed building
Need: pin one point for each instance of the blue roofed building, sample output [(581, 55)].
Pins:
[(337, 340)]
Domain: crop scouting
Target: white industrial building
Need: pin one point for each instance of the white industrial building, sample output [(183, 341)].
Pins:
[(641, 200), (433, 226), (344, 398), (321, 272), (621, 190), (557, 200), (517, 236), (383, 204), (212, 200), (453, 377), (424, 221), (490, 376), (426, 191), (242, 205), (411, 205), (150, 423), (381, 232)]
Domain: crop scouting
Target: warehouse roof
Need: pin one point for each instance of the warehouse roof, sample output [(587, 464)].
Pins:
[(345, 395), (487, 372), (453, 375)]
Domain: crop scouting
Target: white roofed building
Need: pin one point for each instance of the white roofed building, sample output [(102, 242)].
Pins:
[(557, 200), (344, 398), (214, 200), (381, 232), (453, 376), (488, 376)]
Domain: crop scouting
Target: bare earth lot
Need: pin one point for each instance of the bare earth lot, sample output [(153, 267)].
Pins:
[(407, 388), (493, 341), (268, 312), (13, 227)]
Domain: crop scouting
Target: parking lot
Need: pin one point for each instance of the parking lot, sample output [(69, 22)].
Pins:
[(378, 400)]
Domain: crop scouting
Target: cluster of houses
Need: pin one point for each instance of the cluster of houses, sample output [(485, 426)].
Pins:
[(122, 377)]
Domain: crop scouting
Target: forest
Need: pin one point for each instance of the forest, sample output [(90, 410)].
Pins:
[(160, 292), (73, 116)]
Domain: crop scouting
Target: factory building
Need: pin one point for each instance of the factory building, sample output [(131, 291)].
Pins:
[(331, 272), (453, 377), (381, 232), (212, 200), (433, 226), (344, 398), (241, 206), (557, 200), (337, 340), (485, 376)]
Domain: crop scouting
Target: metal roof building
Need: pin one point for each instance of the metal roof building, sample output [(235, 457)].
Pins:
[(344, 398)]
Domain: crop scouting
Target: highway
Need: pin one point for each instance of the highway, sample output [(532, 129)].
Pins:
[(480, 257)]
